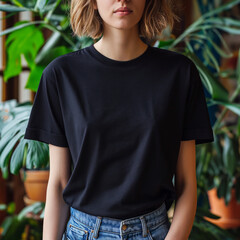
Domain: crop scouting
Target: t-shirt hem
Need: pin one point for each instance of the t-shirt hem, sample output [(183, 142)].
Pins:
[(201, 135), (46, 137)]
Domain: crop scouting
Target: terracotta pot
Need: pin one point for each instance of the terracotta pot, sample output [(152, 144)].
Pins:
[(35, 184), (230, 214)]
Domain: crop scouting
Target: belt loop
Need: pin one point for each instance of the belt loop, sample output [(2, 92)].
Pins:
[(97, 226), (144, 226)]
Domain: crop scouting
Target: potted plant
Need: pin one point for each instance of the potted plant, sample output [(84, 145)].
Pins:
[(217, 163), (219, 173), (218, 167), (27, 157), (32, 157)]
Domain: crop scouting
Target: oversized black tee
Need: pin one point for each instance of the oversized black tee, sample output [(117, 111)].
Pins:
[(123, 122)]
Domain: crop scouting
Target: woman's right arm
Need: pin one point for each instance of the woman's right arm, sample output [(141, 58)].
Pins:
[(56, 210)]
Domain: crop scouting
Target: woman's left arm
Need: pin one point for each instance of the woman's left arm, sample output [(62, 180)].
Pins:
[(186, 190)]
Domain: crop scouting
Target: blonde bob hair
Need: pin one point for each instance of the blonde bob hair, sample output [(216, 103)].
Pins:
[(157, 15)]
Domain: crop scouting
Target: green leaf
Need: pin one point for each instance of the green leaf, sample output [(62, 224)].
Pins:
[(18, 3), (230, 30), (234, 107), (201, 212), (5, 154), (163, 44), (215, 46), (204, 231), (11, 208), (229, 158), (213, 86), (18, 27), (17, 158), (228, 195), (8, 221), (12, 8), (220, 9), (48, 46), (26, 41), (37, 154), (42, 214), (218, 48), (40, 4), (201, 163), (223, 21), (14, 126), (30, 208), (222, 189), (38, 207), (211, 57), (34, 78), (5, 171), (224, 44)]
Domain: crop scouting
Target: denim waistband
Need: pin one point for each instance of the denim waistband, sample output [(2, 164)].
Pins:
[(122, 227)]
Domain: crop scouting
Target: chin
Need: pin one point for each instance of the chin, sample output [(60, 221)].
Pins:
[(123, 25)]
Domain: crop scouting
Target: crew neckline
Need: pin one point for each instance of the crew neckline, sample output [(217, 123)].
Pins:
[(112, 62)]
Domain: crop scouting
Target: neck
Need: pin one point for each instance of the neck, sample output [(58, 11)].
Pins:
[(121, 45)]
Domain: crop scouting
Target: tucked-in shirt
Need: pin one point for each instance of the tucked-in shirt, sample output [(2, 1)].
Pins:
[(123, 122)]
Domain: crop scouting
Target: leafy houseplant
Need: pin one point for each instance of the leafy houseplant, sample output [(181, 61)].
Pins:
[(219, 170), (20, 153), (218, 163), (197, 37), (38, 52), (16, 152)]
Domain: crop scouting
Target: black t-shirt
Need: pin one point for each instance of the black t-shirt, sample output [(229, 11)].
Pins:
[(123, 122)]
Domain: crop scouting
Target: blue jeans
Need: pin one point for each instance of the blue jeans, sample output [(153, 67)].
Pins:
[(150, 226)]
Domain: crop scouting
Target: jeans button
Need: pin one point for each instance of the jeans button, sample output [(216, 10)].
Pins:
[(124, 227)]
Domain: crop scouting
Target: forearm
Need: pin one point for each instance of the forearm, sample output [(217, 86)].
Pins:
[(184, 214), (56, 212)]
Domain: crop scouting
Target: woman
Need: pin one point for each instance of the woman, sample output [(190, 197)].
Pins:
[(127, 117)]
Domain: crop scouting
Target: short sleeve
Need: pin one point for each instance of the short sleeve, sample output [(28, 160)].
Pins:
[(45, 123), (196, 123)]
